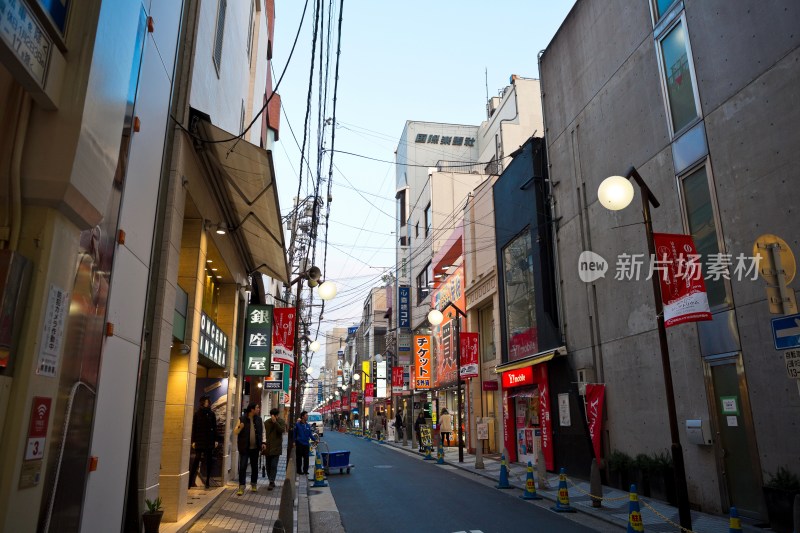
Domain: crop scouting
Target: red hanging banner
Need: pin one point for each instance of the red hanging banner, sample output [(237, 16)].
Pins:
[(469, 353), (397, 379), (541, 378), (595, 395), (283, 335), (353, 400), (683, 290)]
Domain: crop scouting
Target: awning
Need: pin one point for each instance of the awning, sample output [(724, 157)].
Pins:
[(535, 359), (243, 178)]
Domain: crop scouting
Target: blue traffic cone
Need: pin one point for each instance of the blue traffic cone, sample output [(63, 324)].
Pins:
[(562, 502), (440, 455), (530, 487), (503, 483), (735, 523), (319, 473), (635, 523), (428, 456)]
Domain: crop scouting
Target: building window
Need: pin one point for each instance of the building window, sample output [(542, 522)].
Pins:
[(424, 282), (428, 220), (678, 76), (241, 119), (401, 204), (417, 230), (251, 30), (701, 222), (520, 296), (661, 7), (222, 6)]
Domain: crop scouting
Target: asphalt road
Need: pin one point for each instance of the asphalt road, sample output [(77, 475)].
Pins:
[(390, 490)]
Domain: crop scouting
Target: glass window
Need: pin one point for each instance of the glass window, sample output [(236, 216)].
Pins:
[(428, 220), (662, 6), (520, 295), (703, 228), (680, 87), (401, 200), (423, 287), (219, 34)]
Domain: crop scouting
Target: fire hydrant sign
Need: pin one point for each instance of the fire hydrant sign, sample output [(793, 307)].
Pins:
[(37, 431)]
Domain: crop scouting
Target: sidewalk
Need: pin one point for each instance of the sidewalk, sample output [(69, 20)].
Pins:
[(657, 516), (221, 511)]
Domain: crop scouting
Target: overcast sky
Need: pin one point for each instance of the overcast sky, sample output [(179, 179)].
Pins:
[(428, 60)]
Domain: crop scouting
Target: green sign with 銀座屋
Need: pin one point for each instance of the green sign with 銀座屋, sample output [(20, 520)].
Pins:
[(258, 340)]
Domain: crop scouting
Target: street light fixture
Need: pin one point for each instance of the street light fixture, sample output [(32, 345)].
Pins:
[(435, 317), (615, 193)]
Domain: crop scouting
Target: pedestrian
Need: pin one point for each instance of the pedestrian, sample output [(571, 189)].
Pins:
[(377, 423), (204, 440), (274, 428), (249, 440), (446, 426), (398, 424), (302, 441), (418, 423)]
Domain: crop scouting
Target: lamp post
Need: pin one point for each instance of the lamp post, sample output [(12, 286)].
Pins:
[(357, 377), (326, 291), (615, 193), (435, 317)]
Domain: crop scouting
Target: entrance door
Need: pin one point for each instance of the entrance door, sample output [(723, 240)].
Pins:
[(737, 453)]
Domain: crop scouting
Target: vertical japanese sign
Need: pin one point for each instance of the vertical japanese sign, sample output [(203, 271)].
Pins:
[(595, 395), (353, 400), (283, 335), (469, 343), (369, 393), (422, 362), (683, 290), (540, 376), (258, 340), (397, 379), (404, 313)]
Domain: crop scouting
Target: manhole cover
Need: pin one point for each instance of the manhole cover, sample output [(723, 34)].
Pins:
[(384, 466)]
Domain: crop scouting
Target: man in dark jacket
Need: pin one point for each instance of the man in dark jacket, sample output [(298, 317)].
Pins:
[(274, 428), (249, 440), (204, 440)]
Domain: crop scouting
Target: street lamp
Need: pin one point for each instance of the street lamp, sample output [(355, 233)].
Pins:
[(435, 317), (615, 193)]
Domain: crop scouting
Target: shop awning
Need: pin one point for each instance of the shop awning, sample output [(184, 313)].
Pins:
[(243, 179), (535, 359)]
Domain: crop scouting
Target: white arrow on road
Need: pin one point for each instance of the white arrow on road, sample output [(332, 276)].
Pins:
[(789, 332)]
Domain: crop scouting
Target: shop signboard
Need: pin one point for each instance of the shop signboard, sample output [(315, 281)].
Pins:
[(422, 362), (397, 379), (258, 340), (518, 378), (404, 312), (283, 335)]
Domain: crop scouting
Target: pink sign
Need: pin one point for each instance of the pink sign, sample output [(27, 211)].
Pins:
[(683, 290), (595, 394), (283, 335)]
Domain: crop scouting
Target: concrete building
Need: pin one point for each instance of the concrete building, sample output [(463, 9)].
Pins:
[(701, 97)]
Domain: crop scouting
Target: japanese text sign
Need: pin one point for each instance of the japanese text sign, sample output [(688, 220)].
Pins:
[(683, 290), (397, 379), (258, 340), (469, 346), (422, 361), (283, 335)]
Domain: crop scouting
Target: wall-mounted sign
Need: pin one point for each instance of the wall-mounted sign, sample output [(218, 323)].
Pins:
[(213, 342), (447, 140), (517, 378), (404, 311), (469, 355), (52, 331), (352, 330), (491, 385), (272, 385), (422, 361), (25, 40), (258, 340), (37, 430)]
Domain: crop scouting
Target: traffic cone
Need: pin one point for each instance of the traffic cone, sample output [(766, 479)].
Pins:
[(735, 523), (428, 456), (440, 455), (562, 503), (530, 487), (635, 523), (366, 435), (319, 473), (503, 483)]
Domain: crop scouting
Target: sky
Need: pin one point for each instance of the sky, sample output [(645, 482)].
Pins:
[(428, 60)]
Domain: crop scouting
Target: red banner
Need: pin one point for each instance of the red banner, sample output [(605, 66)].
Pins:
[(469, 353), (540, 375), (595, 395), (353, 400), (683, 290), (369, 390), (337, 404), (397, 379), (283, 335)]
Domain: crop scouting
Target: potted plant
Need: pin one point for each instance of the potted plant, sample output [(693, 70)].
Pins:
[(619, 466), (643, 466), (779, 493), (152, 517), (662, 478)]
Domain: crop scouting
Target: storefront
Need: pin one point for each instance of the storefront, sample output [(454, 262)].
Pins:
[(527, 407)]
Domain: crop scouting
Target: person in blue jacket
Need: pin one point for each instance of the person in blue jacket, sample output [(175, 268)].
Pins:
[(302, 441)]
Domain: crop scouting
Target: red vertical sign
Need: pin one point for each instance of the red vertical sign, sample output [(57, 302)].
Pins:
[(353, 400), (397, 379), (683, 290), (469, 350), (283, 335), (595, 395), (540, 375), (37, 430)]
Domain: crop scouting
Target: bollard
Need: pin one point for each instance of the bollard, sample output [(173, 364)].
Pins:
[(735, 524), (286, 508), (319, 473), (595, 486), (635, 523), (503, 483), (440, 455), (541, 471), (530, 487), (562, 502)]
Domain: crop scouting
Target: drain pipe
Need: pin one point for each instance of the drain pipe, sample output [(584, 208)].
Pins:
[(16, 169)]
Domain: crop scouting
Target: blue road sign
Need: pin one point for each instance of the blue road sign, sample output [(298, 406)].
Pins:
[(786, 332)]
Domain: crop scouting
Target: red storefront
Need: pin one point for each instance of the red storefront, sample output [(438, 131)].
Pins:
[(527, 424)]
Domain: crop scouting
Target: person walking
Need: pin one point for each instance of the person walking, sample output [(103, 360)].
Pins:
[(398, 424), (274, 428), (378, 423), (446, 427), (418, 423), (302, 441), (204, 440), (249, 440)]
